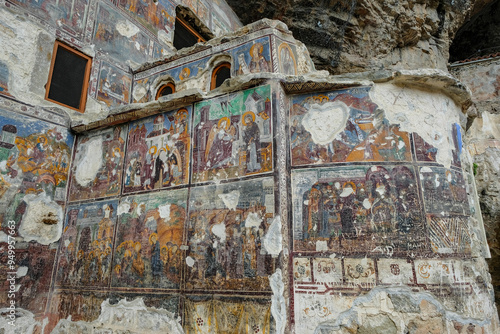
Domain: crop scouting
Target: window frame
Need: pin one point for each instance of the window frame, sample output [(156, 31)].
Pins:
[(190, 29), (86, 78), (162, 87), (217, 69)]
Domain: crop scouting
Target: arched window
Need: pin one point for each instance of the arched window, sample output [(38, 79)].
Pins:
[(220, 73), (166, 89)]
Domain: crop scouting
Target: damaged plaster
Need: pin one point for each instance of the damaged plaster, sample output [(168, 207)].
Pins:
[(42, 220), (419, 111), (89, 162)]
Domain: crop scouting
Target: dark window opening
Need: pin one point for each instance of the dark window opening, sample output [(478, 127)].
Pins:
[(165, 90), (185, 35), (68, 77), (220, 74)]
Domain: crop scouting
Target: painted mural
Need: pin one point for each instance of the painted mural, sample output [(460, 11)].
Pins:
[(158, 151), (114, 86), (226, 232), (287, 56), (70, 15), (148, 240), (119, 37), (444, 191), (357, 209), (34, 159), (37, 260), (426, 152), (98, 163), (228, 315), (233, 135), (4, 79), (80, 305), (153, 15), (86, 245), (252, 57), (343, 126)]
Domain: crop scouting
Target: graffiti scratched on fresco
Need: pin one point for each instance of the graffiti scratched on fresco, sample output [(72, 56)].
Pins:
[(232, 135), (158, 151), (343, 126), (98, 163), (148, 240), (357, 208), (226, 229), (86, 246)]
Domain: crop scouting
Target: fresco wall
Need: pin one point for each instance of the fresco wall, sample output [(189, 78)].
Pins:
[(373, 209), (141, 222), (257, 52), (35, 157), (119, 36)]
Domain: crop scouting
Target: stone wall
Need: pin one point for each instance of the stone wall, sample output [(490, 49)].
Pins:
[(483, 137)]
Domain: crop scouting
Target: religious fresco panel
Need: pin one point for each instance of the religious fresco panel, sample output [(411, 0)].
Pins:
[(158, 151), (38, 261), (154, 16), (252, 57), (80, 305), (444, 191), (425, 152), (148, 240), (287, 56), (71, 16), (226, 236), (228, 315), (355, 209), (343, 126), (233, 135), (114, 85), (98, 163), (86, 245), (34, 159), (119, 37)]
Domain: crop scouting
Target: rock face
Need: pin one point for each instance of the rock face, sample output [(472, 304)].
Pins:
[(354, 36)]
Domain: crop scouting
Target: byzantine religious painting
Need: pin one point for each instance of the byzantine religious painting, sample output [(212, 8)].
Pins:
[(158, 150), (86, 245), (233, 135), (287, 56), (34, 159), (426, 152), (114, 85), (226, 236), (343, 126), (148, 240), (353, 209), (98, 162), (253, 57)]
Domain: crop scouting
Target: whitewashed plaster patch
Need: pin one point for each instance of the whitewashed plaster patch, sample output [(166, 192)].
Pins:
[(278, 306), (326, 121), (220, 231), (43, 219), (230, 199), (164, 211), (126, 28), (430, 114), (90, 161), (273, 240), (253, 220), (124, 207)]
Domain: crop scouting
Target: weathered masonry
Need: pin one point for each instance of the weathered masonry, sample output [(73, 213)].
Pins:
[(280, 200)]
